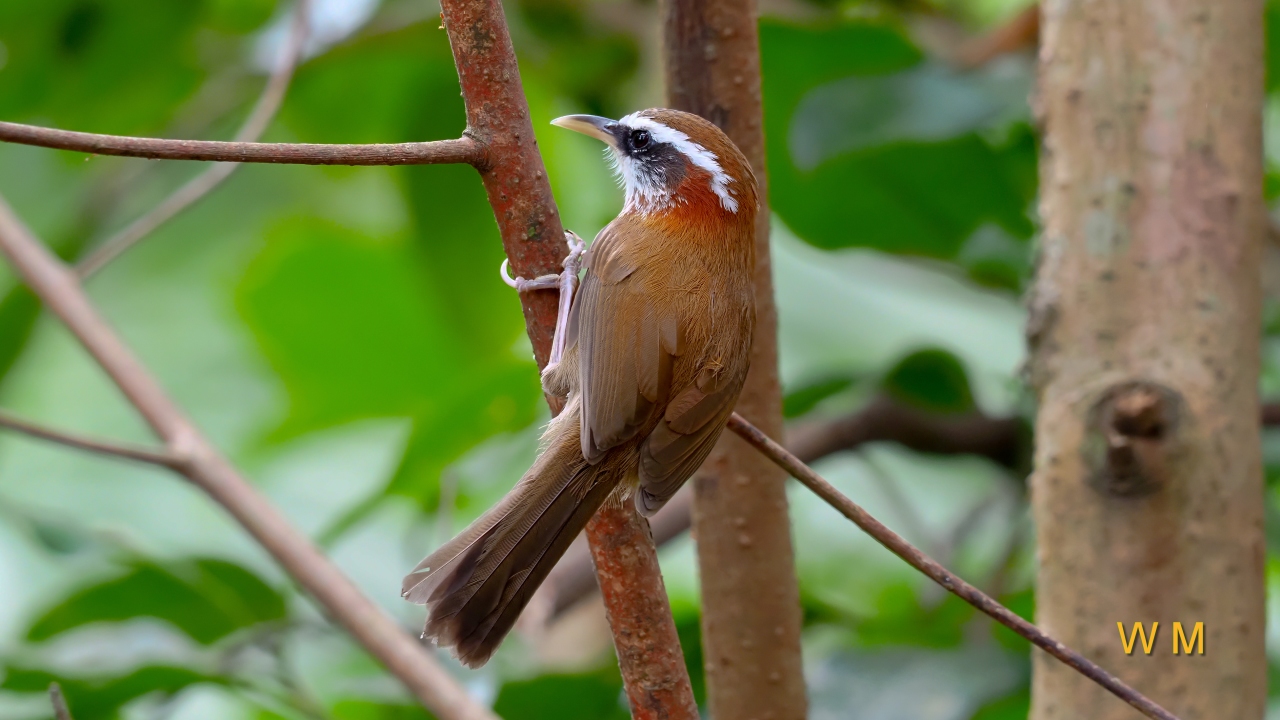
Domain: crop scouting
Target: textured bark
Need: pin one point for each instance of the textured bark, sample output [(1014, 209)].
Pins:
[(750, 599), (1144, 332), (516, 182), (514, 175), (648, 646)]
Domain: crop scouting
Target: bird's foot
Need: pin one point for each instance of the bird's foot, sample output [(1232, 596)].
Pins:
[(572, 265), (566, 282)]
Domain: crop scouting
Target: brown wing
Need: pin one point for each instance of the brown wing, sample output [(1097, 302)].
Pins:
[(624, 343), (682, 441)]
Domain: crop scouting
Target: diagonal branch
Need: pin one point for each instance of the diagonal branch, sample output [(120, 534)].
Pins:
[(918, 560), (264, 110), (101, 447), (60, 289), (1003, 440), (464, 150)]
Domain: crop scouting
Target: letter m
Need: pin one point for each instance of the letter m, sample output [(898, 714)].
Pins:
[(1127, 641), (1197, 637)]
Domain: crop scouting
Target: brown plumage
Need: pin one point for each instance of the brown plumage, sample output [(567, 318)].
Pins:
[(658, 348)]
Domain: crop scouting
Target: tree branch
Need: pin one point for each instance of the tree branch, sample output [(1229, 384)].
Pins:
[(746, 563), (644, 633), (264, 110), (100, 447), (60, 290), (895, 544), (1006, 441), (464, 150), (59, 702), (533, 237)]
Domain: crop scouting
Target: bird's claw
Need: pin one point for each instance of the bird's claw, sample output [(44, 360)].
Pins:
[(572, 264), (544, 282), (576, 248), (565, 282)]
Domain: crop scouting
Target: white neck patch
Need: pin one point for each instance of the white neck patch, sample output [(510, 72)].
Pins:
[(643, 193)]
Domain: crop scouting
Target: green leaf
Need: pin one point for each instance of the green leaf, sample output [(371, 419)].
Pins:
[(800, 401), (933, 379), (868, 147), (101, 698), (205, 598), (582, 696)]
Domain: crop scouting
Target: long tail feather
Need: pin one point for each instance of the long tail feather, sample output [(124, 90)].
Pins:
[(476, 584)]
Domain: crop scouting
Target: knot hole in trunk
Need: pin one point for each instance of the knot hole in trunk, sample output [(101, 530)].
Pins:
[(1131, 438)]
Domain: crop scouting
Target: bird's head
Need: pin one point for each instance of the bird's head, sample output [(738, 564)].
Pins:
[(674, 162)]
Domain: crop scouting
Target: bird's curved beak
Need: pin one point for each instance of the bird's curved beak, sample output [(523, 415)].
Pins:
[(602, 129)]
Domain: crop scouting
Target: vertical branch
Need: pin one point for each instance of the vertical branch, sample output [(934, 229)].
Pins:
[(516, 181), (751, 602), (1144, 333), (648, 647)]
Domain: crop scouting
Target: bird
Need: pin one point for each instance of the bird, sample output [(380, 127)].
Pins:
[(656, 348)]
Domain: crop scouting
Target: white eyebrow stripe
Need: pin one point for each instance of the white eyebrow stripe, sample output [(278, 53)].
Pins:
[(697, 155)]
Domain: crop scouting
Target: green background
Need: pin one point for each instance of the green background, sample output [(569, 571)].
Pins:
[(344, 336)]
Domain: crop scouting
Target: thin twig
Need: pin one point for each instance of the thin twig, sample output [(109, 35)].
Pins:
[(463, 150), (264, 110), (918, 560), (60, 710), (59, 288), (101, 447)]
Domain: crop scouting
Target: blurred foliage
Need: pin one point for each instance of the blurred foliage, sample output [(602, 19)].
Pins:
[(205, 598), (595, 696), (343, 334), (872, 145), (933, 379), (102, 698)]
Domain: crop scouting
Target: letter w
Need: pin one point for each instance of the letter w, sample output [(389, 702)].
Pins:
[(1138, 631)]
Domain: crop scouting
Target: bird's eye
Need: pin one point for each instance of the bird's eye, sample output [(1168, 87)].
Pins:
[(640, 139)]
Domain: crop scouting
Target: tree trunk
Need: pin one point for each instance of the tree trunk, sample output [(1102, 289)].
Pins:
[(1144, 333), (750, 599)]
